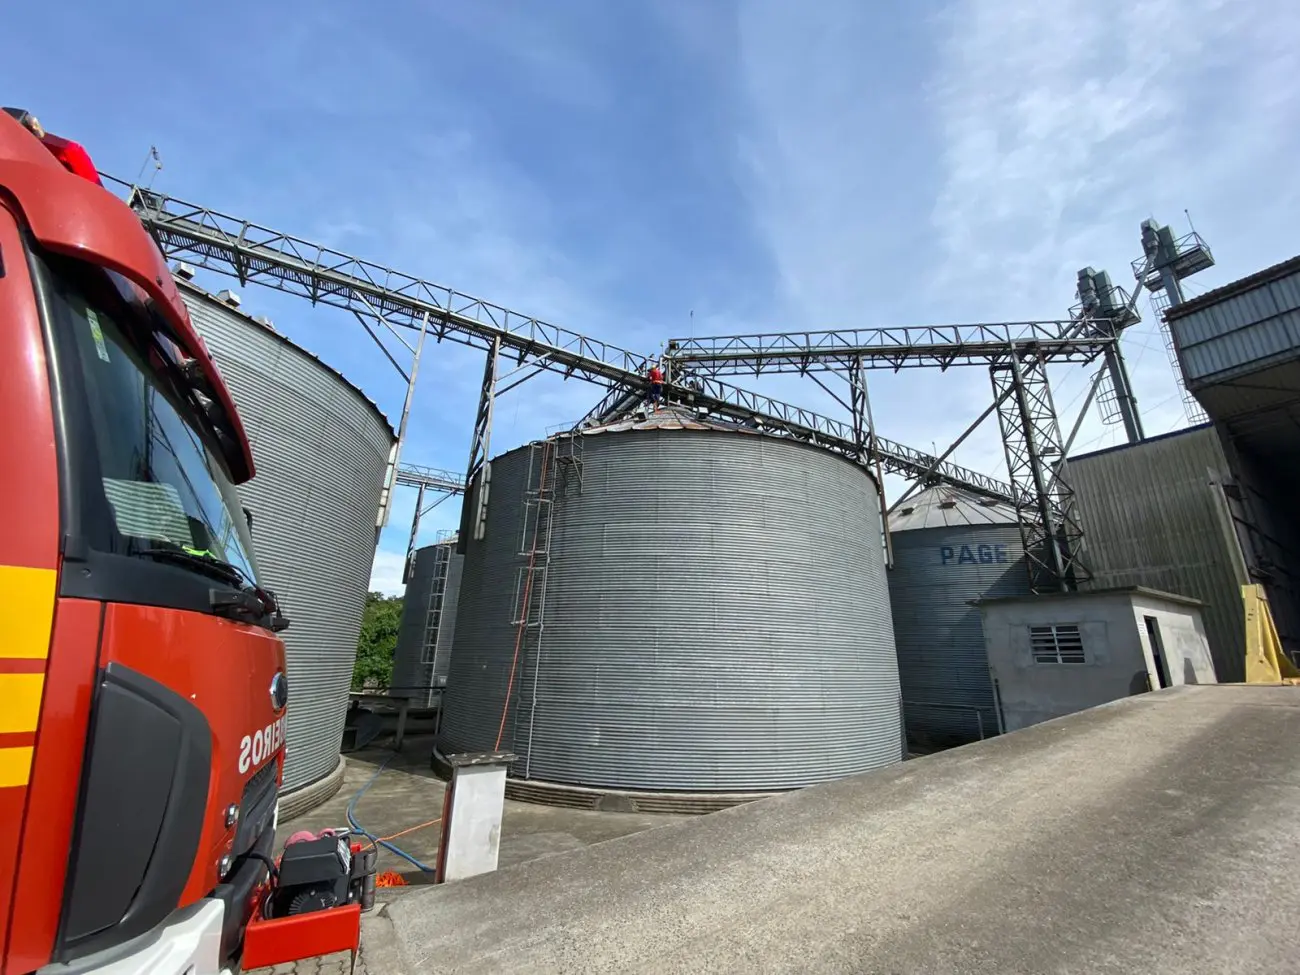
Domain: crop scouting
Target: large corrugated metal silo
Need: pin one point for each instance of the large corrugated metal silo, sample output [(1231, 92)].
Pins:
[(321, 448), (712, 605), (424, 638), (949, 547)]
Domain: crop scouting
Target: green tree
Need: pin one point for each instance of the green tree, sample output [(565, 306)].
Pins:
[(378, 639)]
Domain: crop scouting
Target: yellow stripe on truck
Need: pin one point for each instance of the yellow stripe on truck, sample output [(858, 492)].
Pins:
[(15, 766), (20, 702), (26, 611)]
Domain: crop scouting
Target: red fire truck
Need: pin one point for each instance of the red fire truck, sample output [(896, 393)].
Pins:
[(142, 684)]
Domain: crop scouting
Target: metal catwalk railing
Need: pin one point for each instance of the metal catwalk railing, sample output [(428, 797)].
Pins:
[(250, 252)]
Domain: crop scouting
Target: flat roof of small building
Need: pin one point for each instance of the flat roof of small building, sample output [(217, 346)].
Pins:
[(1169, 597)]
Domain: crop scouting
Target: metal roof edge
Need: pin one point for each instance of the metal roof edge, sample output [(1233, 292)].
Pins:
[(201, 292), (1169, 597), (607, 430), (1251, 281), (1209, 424), (436, 545), (968, 511)]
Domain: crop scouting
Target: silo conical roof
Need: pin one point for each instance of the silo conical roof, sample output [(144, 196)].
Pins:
[(945, 506)]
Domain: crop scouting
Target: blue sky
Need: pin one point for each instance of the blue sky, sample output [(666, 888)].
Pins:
[(614, 167)]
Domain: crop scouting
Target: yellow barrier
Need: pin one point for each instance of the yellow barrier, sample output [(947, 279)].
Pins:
[(1265, 661)]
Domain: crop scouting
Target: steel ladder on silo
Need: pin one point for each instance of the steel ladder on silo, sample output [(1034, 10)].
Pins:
[(568, 458), (530, 588), (555, 469), (433, 620)]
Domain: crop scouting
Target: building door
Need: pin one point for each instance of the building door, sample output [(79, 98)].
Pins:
[(1157, 650)]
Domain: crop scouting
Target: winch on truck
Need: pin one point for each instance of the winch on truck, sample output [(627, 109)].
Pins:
[(142, 684)]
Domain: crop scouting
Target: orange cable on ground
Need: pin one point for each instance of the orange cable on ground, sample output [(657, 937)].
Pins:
[(528, 591), (411, 829)]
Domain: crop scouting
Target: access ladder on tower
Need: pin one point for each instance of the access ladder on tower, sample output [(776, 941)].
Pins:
[(433, 621), (529, 615), (1108, 401), (1191, 407), (568, 461)]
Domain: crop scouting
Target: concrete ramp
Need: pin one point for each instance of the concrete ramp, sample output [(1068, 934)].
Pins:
[(1153, 835)]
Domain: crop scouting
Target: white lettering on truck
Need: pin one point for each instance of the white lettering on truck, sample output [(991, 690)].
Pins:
[(261, 745)]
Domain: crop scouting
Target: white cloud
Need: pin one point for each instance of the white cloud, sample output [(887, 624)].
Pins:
[(538, 41), (841, 176), (975, 162), (829, 158), (386, 574), (442, 202), (1060, 122), (1064, 125)]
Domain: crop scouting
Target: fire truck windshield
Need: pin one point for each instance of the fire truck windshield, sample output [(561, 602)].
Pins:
[(140, 450)]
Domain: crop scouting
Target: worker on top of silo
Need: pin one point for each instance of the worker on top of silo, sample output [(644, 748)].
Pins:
[(656, 377)]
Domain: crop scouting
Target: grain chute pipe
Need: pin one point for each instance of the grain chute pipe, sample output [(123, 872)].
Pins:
[(390, 476), (955, 444), (858, 378)]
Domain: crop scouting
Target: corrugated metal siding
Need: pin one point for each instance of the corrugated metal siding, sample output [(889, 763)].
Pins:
[(410, 673), (447, 631), (1241, 333), (716, 618), (416, 671), (320, 449), (942, 663), (1267, 521), (1152, 516)]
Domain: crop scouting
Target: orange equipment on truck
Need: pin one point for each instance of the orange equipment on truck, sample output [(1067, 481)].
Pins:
[(142, 685)]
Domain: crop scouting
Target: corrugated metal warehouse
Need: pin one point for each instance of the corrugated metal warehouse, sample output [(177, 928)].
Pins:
[(949, 547), (714, 614), (1239, 348), (321, 448), (1155, 515), (424, 639)]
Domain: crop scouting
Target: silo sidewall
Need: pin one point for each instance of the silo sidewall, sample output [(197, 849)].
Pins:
[(716, 618)]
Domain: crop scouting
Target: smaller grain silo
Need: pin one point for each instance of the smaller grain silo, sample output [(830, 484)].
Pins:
[(423, 654), (950, 547), (321, 449), (675, 604)]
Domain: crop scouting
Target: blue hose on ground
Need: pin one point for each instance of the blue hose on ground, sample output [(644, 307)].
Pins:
[(352, 821)]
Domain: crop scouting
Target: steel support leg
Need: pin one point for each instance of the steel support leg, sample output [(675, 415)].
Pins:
[(395, 455), (864, 436), (1031, 437), (860, 407), (409, 564), (474, 512), (923, 479), (1124, 397)]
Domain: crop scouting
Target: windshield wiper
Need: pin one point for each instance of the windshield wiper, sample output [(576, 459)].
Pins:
[(247, 602), (249, 605), (204, 563)]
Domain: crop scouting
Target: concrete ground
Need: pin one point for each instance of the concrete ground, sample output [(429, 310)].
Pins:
[(406, 794), (1153, 835)]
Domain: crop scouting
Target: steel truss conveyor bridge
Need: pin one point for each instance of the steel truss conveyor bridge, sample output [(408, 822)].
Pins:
[(1016, 355), (382, 297), (250, 253)]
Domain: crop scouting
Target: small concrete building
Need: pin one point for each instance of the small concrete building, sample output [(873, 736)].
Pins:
[(1056, 653)]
